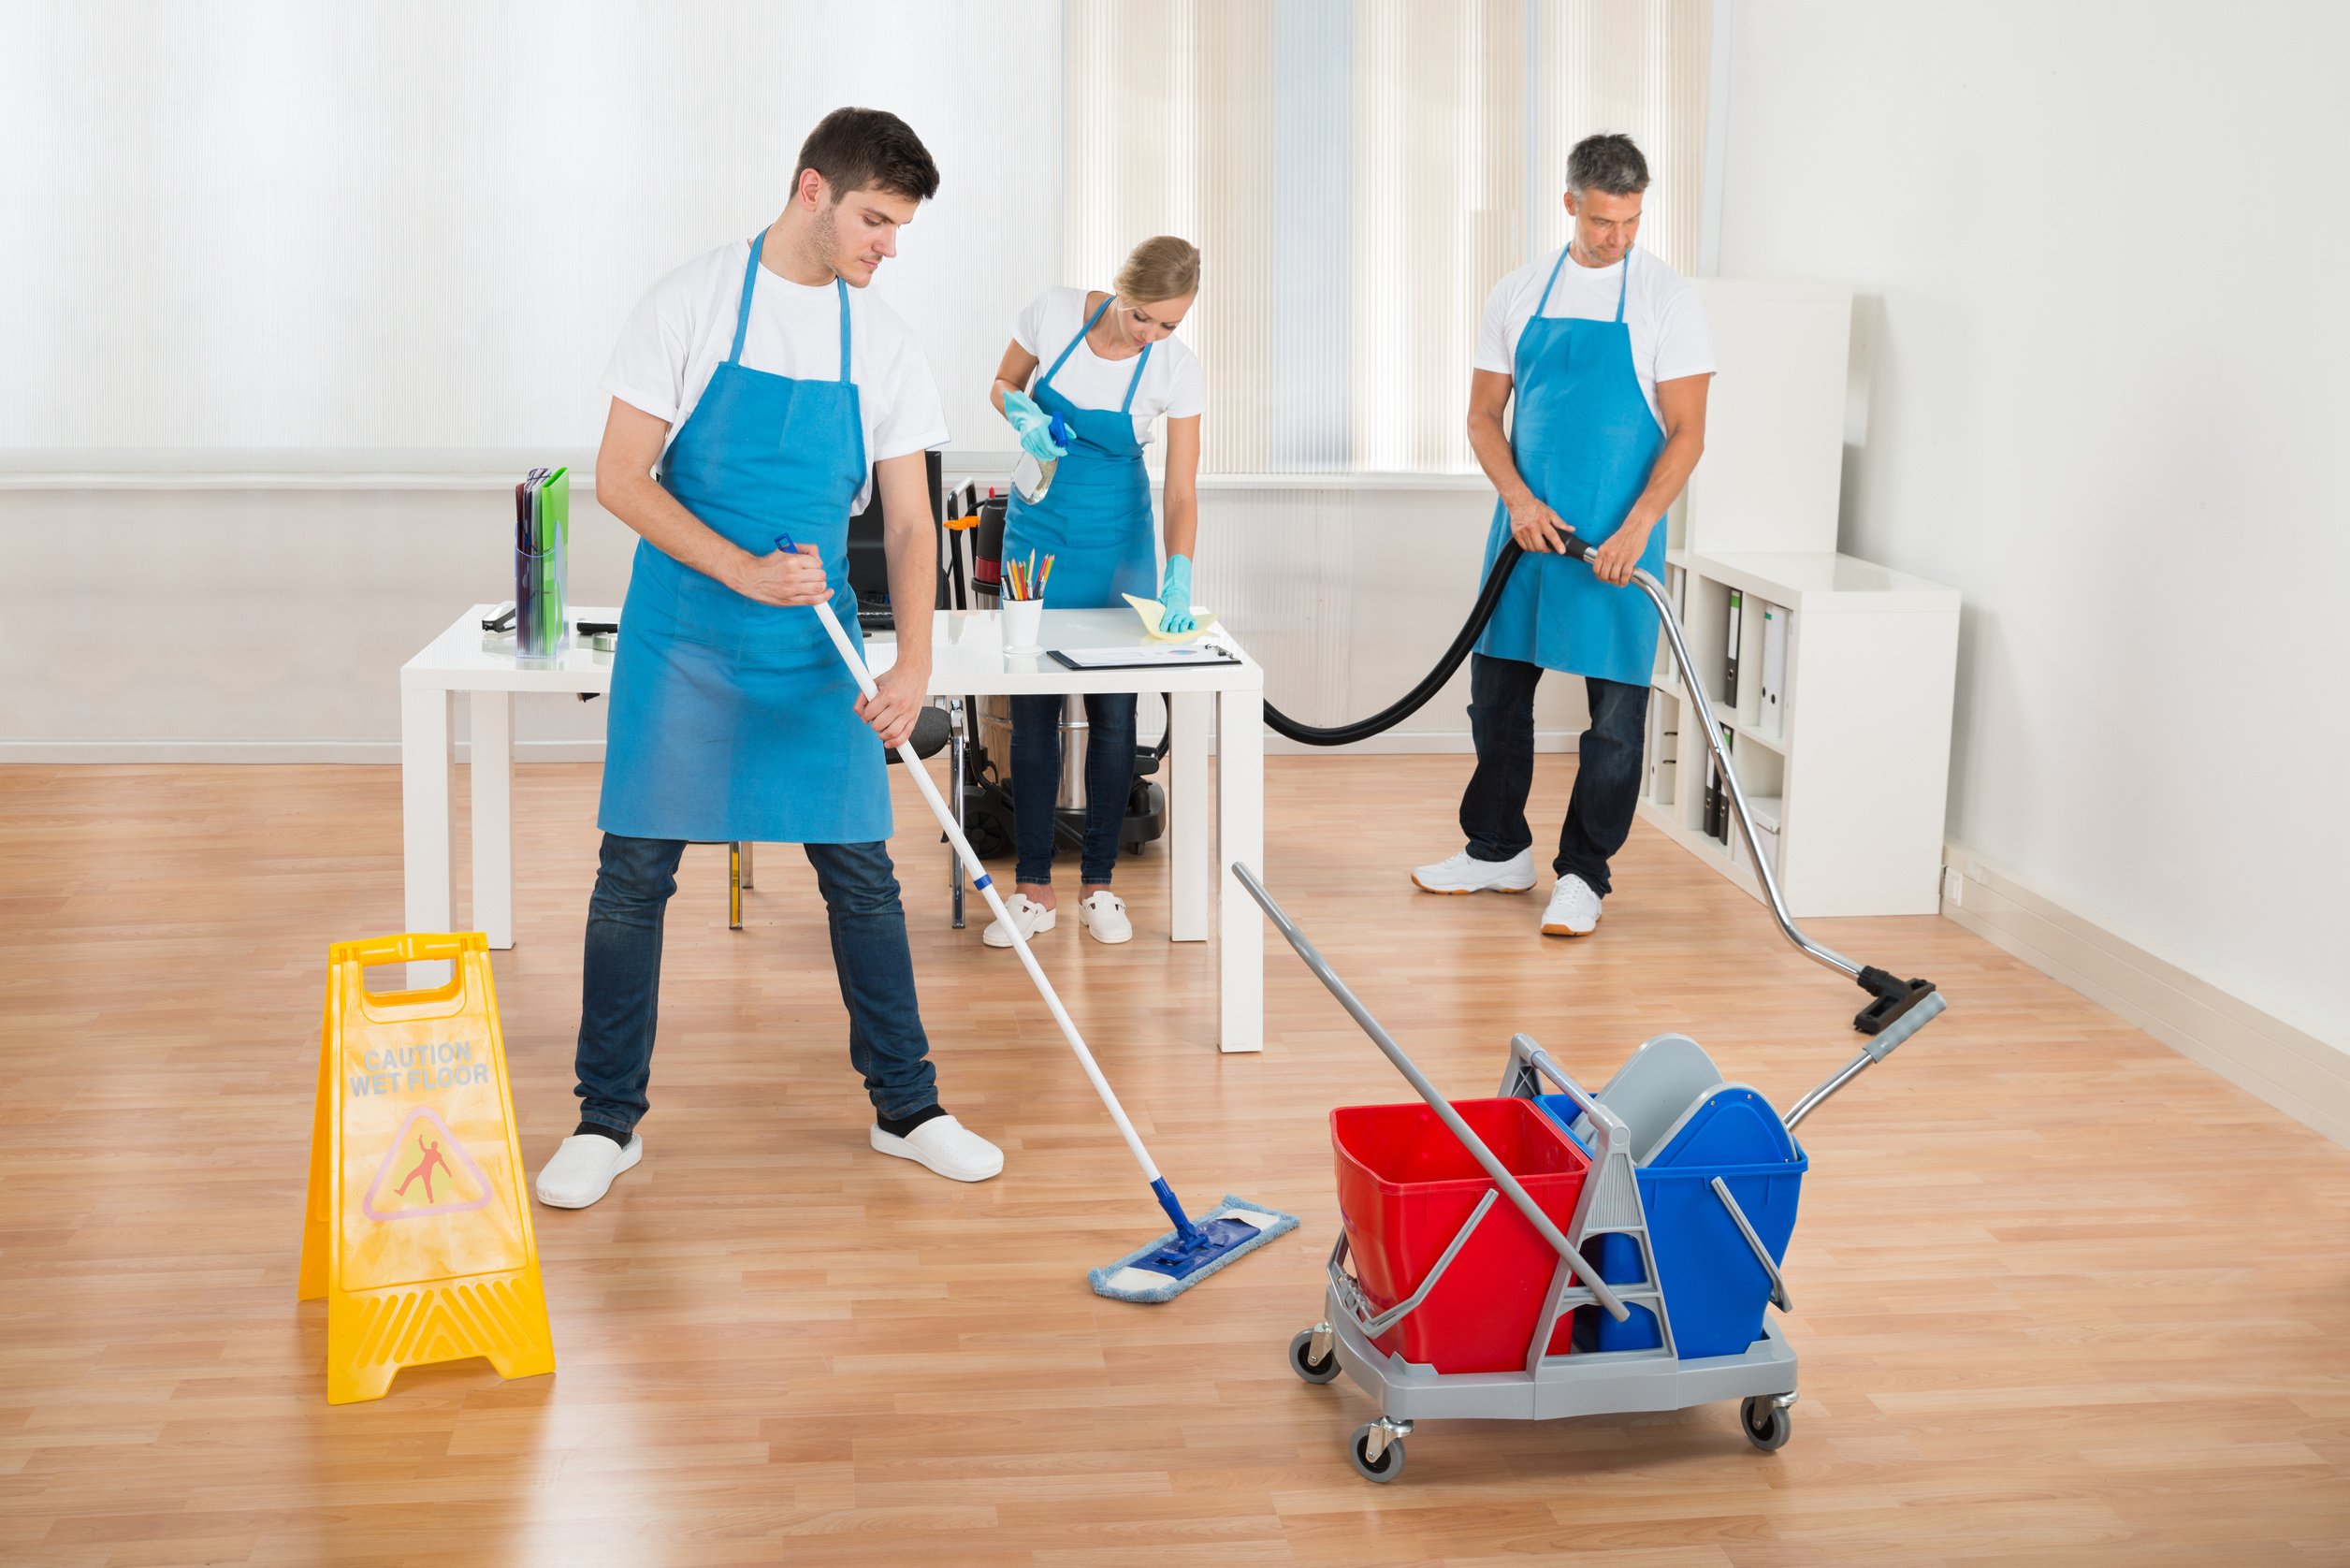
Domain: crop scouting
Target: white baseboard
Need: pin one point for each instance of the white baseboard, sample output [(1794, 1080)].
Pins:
[(377, 752), (2282, 1061)]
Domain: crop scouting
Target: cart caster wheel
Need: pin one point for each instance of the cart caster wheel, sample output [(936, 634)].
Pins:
[(1765, 1422), (1390, 1461), (1302, 1363)]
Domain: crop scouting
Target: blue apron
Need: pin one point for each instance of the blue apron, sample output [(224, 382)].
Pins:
[(1585, 442), (1095, 521), (733, 719)]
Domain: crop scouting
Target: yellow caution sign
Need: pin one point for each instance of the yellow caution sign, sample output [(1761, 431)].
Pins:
[(418, 1231)]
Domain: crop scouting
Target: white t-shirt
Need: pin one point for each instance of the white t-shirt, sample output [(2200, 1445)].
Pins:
[(1669, 339), (681, 330), (1172, 383)]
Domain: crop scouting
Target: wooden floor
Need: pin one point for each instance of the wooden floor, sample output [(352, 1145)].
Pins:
[(2066, 1299)]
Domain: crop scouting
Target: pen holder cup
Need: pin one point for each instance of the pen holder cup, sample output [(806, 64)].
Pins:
[(540, 618), (1024, 620)]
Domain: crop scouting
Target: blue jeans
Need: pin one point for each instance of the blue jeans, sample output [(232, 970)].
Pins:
[(1606, 774), (620, 979), (1037, 782)]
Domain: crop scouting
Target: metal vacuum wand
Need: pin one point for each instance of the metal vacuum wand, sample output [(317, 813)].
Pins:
[(1894, 995)]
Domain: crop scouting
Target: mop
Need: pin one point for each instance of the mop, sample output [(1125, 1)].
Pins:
[(1194, 1249)]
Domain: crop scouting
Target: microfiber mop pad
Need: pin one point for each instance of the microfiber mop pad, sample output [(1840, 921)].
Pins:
[(1167, 1267)]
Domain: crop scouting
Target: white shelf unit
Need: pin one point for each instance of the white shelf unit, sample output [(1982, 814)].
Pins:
[(1859, 767)]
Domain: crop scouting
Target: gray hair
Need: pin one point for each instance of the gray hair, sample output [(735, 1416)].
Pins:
[(1609, 163)]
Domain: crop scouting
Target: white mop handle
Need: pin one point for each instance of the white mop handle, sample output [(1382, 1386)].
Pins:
[(856, 664)]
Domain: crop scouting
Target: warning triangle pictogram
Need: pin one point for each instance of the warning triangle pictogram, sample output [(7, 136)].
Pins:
[(425, 1171)]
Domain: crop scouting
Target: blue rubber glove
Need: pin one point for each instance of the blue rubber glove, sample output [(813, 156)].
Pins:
[(1033, 426), (1175, 597)]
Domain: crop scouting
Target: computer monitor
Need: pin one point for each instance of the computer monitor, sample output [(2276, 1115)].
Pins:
[(868, 561)]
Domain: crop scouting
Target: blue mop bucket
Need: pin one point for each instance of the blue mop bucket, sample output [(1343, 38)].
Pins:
[(1714, 1291)]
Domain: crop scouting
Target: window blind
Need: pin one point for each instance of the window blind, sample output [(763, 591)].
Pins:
[(1358, 175)]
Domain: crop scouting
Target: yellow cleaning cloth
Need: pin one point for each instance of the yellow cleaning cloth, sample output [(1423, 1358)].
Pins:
[(1152, 612)]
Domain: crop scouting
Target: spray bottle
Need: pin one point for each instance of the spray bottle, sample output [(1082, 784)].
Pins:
[(1032, 476)]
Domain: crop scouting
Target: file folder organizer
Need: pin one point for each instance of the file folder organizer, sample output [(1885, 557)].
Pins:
[(542, 513)]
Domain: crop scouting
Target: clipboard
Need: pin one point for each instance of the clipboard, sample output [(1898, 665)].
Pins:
[(1173, 656)]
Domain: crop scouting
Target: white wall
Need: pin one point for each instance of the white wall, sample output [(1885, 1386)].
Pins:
[(399, 231), (2101, 389)]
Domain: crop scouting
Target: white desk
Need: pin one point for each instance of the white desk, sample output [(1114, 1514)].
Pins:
[(966, 660)]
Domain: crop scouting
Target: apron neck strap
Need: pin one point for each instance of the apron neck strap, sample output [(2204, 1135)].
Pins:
[(840, 286), (1091, 321), (1553, 277), (742, 312), (1623, 282), (1139, 360), (1098, 312)]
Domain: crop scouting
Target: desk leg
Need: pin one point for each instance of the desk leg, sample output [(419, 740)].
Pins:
[(424, 811), (1240, 837), (1188, 857), (493, 816)]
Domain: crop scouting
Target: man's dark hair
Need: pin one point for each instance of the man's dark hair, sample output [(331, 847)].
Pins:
[(1608, 164), (854, 147)]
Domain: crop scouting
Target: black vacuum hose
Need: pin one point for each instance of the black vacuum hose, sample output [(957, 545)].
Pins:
[(1431, 683)]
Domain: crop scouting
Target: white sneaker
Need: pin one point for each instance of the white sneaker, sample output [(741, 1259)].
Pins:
[(1031, 916), (1104, 914), (1462, 873), (1574, 909), (947, 1146), (583, 1168)]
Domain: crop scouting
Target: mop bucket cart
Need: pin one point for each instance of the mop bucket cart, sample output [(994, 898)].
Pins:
[(1679, 1195), (1653, 1292)]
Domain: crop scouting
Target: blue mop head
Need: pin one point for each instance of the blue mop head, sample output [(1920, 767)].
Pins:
[(1166, 1267)]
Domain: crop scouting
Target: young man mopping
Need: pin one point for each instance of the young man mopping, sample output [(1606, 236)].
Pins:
[(752, 392)]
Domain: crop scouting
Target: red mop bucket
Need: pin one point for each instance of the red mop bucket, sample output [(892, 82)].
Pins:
[(1406, 1187)]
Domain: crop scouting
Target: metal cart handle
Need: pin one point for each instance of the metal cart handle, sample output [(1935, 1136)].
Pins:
[(1577, 1268), (1607, 1128)]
